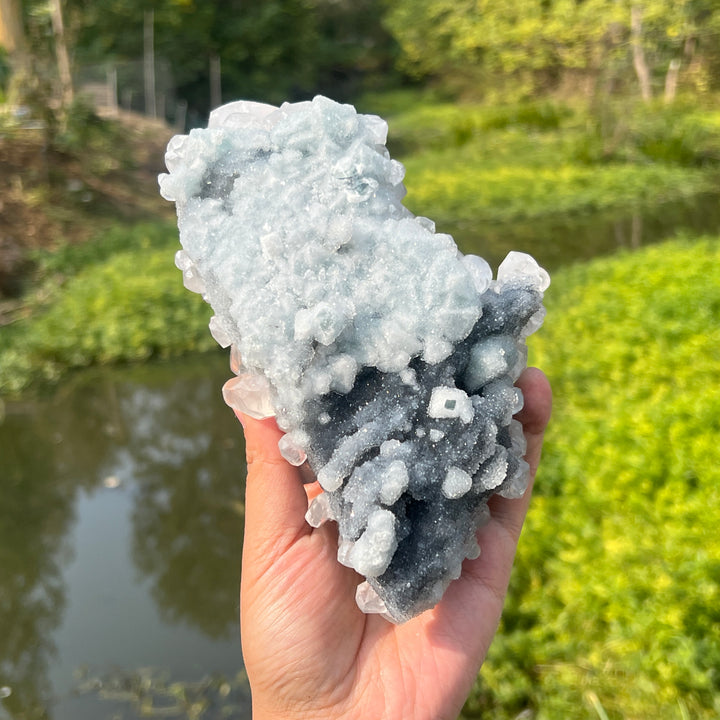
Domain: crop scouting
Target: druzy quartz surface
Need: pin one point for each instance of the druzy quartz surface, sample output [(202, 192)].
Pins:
[(386, 355)]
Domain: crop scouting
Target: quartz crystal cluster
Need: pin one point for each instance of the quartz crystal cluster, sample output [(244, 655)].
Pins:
[(386, 355)]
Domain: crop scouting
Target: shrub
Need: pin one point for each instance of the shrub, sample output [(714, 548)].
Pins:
[(469, 186), (118, 305), (615, 599)]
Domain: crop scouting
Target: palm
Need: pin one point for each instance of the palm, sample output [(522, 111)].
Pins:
[(311, 653)]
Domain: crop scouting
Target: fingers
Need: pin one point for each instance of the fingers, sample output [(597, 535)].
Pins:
[(275, 498), (534, 416)]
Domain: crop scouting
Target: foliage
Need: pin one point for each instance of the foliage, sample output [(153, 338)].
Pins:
[(481, 163), (615, 597), (121, 306), (271, 50), (464, 190), (4, 73), (479, 45), (95, 141), (423, 122), (683, 133)]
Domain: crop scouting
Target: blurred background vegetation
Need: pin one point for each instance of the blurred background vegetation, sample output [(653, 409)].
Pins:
[(586, 132)]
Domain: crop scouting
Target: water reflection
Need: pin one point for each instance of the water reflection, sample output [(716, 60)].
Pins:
[(162, 436), (34, 517), (187, 518), (563, 239)]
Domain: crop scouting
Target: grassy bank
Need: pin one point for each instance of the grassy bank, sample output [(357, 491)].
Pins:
[(115, 298), (615, 599), (543, 159)]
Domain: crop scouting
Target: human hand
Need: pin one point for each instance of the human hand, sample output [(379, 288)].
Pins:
[(310, 652)]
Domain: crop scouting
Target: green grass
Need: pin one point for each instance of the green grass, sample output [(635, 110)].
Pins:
[(615, 597), (481, 164)]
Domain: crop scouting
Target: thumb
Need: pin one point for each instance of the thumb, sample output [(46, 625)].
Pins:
[(275, 499)]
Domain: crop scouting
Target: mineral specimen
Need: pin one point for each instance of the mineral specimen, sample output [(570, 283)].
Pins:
[(386, 355)]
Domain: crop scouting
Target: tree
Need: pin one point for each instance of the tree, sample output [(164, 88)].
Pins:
[(272, 50), (539, 43)]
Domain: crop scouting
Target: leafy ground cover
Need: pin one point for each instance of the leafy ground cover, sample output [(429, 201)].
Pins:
[(112, 299), (541, 159), (614, 609)]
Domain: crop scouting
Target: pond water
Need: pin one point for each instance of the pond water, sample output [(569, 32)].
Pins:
[(563, 239), (120, 542), (121, 517)]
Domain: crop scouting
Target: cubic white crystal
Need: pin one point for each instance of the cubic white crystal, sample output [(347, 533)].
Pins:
[(447, 402), (518, 266)]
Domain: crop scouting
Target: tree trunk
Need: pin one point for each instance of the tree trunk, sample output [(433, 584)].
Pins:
[(671, 80), (149, 63), (12, 37), (62, 55), (639, 61), (215, 81)]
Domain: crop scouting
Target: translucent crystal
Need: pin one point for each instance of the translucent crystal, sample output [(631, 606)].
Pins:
[(291, 449), (235, 360), (516, 485), (521, 267), (249, 394), (368, 600), (480, 271), (219, 331), (319, 511)]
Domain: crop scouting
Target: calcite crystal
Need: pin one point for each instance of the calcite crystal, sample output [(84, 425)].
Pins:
[(386, 355)]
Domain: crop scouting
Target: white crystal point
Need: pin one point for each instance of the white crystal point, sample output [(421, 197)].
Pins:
[(517, 438), (534, 323), (377, 127), (240, 114), (191, 278), (250, 394), (521, 266), (235, 360), (173, 154), (343, 554)]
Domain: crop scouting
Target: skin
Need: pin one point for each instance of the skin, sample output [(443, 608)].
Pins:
[(310, 653)]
